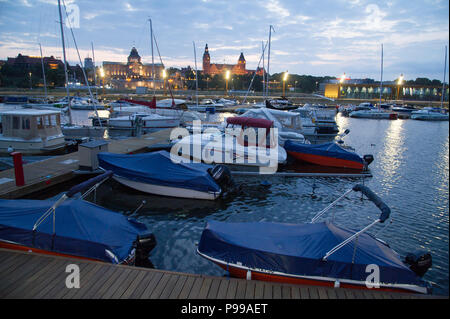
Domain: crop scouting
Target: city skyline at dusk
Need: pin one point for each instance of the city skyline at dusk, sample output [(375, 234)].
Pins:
[(315, 38)]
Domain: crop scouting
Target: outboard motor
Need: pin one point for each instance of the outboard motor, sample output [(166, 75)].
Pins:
[(368, 158), (144, 245), (419, 262), (222, 176)]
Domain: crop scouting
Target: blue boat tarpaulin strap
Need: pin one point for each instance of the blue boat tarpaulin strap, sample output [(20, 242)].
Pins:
[(297, 249), (81, 228), (325, 149), (157, 168)]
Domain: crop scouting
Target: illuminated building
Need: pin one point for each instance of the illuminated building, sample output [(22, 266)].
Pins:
[(133, 73), (216, 68), (27, 61)]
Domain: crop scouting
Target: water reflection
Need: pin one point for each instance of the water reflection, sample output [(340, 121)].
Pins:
[(392, 154)]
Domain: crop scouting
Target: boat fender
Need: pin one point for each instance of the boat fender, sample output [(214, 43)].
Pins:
[(419, 262), (249, 275), (337, 284)]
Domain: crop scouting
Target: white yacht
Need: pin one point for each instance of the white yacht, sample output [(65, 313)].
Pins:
[(429, 114), (146, 120), (234, 147), (31, 132), (289, 124)]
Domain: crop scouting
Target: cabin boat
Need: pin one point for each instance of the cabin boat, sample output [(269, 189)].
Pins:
[(72, 227), (289, 124), (374, 114), (314, 253), (31, 132), (429, 114), (234, 145), (146, 120)]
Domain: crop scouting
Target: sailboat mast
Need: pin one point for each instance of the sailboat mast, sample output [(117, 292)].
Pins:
[(65, 61), (264, 70), (381, 81), (443, 83), (153, 62), (196, 71), (268, 62), (95, 77), (43, 71)]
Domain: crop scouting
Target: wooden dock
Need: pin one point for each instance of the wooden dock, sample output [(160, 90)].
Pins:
[(43, 174), (35, 276)]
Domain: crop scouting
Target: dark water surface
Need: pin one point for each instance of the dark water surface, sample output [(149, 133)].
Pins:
[(410, 173)]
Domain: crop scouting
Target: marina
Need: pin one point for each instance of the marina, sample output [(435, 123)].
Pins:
[(141, 177)]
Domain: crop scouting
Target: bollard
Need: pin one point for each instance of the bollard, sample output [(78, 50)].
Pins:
[(18, 168)]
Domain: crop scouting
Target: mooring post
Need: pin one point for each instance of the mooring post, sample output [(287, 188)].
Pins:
[(18, 168)]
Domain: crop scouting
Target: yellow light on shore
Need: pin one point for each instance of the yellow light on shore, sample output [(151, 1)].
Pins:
[(285, 76), (227, 75), (102, 72), (400, 79), (164, 74), (342, 78)]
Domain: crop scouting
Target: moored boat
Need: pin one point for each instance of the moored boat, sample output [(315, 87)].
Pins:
[(157, 173), (327, 154), (32, 132), (73, 227), (315, 253), (429, 114)]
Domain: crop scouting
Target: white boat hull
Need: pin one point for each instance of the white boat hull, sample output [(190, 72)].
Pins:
[(166, 190)]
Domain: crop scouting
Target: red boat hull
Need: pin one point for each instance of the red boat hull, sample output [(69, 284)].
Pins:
[(326, 160), (18, 247), (242, 273)]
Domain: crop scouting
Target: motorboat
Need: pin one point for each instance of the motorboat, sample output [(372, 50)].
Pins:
[(324, 119), (430, 114), (31, 132), (327, 154), (289, 124), (85, 103), (280, 104), (244, 142), (73, 227), (170, 108), (147, 121), (166, 174), (374, 114), (315, 253)]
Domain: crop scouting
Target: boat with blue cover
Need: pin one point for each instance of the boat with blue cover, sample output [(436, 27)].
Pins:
[(72, 227), (315, 253), (162, 173), (327, 154)]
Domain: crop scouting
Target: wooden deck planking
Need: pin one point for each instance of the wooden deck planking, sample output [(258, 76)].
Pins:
[(31, 275)]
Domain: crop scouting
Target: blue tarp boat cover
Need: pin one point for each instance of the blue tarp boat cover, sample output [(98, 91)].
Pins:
[(298, 249), (82, 229), (157, 168), (325, 149)]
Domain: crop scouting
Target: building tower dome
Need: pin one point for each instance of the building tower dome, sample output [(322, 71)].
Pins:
[(134, 56)]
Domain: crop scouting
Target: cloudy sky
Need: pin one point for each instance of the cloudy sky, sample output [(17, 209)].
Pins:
[(314, 37)]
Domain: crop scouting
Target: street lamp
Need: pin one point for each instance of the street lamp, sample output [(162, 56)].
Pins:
[(285, 76), (399, 83), (342, 78), (164, 76), (227, 77)]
